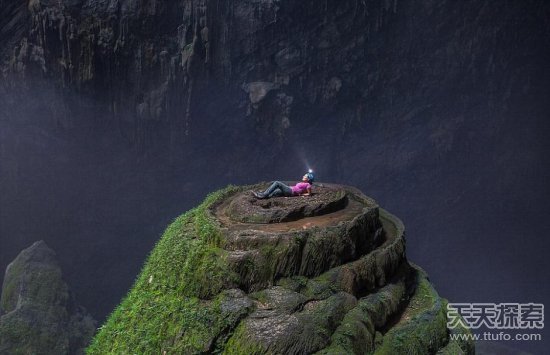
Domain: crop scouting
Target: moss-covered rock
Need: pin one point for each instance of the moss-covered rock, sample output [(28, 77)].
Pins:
[(38, 314), (332, 283), (457, 345), (360, 327), (304, 331), (176, 302), (422, 327), (261, 254)]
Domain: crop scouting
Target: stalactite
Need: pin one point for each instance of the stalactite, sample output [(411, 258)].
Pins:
[(69, 37), (172, 69), (204, 35), (60, 28), (228, 47), (188, 107), (43, 20)]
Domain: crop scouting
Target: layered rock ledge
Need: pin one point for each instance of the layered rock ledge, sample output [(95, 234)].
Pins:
[(323, 274), (245, 208)]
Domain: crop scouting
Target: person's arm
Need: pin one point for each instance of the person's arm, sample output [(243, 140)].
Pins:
[(308, 191)]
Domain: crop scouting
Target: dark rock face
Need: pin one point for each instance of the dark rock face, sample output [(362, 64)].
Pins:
[(38, 315), (157, 67)]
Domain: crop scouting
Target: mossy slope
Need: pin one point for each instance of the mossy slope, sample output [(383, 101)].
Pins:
[(187, 298), (174, 305)]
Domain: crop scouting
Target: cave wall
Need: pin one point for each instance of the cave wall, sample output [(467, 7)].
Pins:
[(174, 73), (129, 111)]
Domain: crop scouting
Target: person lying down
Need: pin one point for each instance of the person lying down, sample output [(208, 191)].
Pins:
[(278, 189)]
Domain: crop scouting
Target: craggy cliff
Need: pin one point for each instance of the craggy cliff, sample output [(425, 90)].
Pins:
[(165, 69), (326, 274)]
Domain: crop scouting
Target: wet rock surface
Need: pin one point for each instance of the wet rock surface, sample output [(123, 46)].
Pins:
[(308, 245), (326, 273)]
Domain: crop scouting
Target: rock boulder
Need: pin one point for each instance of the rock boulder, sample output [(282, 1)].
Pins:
[(38, 313)]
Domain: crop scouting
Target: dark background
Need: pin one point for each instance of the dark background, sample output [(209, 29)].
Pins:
[(115, 117)]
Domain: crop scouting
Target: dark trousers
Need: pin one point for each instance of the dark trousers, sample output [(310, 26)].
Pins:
[(277, 188)]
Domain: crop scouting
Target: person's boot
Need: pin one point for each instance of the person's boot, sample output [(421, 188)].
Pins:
[(258, 195)]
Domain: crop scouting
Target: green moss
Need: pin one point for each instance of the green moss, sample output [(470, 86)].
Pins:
[(22, 333), (170, 306), (8, 301), (353, 336), (240, 344), (458, 345), (422, 328), (318, 288), (260, 296), (356, 333), (174, 306), (334, 350), (274, 260), (293, 283), (260, 268), (253, 218), (266, 265), (305, 332)]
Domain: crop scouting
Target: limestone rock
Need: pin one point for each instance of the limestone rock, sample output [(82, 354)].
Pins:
[(258, 90), (38, 314), (334, 278), (248, 209)]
